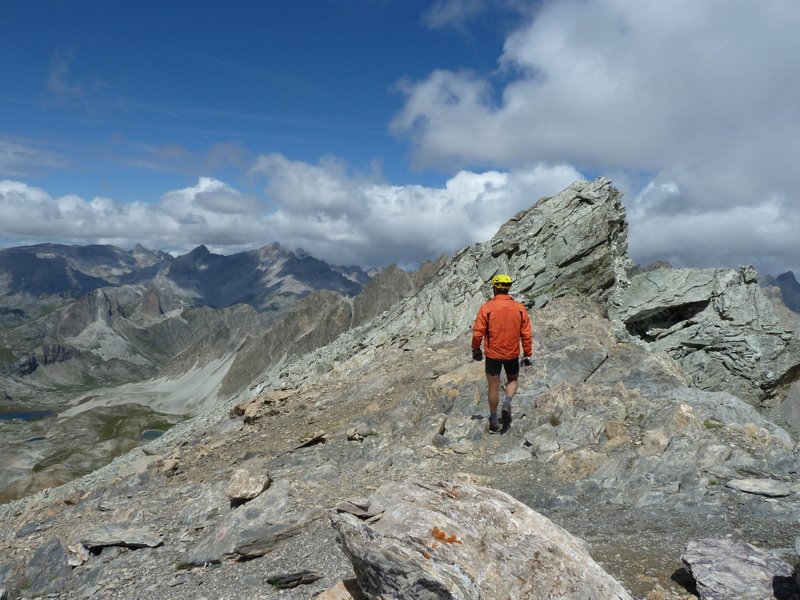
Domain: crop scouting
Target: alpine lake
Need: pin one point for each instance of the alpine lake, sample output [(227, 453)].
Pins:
[(41, 449)]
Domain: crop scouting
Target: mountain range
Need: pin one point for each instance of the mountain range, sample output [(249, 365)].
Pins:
[(101, 302), (100, 335)]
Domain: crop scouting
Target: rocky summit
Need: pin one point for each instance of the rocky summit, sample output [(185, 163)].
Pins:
[(364, 469)]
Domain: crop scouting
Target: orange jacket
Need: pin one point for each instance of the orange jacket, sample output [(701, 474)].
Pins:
[(501, 323)]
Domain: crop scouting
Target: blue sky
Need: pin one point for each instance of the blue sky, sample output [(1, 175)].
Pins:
[(378, 131), (106, 86)]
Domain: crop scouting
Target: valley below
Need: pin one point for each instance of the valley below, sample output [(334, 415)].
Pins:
[(47, 450)]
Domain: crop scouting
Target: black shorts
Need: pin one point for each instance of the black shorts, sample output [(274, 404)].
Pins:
[(494, 365)]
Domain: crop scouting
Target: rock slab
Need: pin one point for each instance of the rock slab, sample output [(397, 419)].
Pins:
[(457, 541), (729, 568)]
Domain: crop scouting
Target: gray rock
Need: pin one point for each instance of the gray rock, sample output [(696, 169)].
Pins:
[(762, 487), (450, 540), (250, 528), (246, 485), (285, 581), (261, 539), (201, 504), (543, 440), (512, 456), (718, 324), (47, 571), (5, 570), (728, 568), (119, 534), (789, 410)]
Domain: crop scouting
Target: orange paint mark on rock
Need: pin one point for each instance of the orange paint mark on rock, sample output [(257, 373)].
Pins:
[(442, 536)]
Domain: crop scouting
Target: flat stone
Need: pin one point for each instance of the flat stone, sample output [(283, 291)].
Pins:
[(48, 570), (762, 487), (729, 568), (513, 456), (285, 581), (121, 535), (260, 540)]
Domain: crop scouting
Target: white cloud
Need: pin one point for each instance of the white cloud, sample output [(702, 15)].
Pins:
[(339, 216), (360, 221), (702, 95), (764, 234)]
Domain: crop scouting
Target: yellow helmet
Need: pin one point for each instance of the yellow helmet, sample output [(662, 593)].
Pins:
[(501, 281)]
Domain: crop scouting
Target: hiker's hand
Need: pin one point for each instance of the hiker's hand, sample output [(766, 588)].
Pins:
[(526, 361), (477, 354)]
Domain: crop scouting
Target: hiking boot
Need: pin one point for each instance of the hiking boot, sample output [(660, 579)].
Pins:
[(494, 426), (505, 419)]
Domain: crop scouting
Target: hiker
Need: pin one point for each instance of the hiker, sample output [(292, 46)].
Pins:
[(501, 324)]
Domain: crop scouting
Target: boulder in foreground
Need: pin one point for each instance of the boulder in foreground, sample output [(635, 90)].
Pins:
[(457, 540)]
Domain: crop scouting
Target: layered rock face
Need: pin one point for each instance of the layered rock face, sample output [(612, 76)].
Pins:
[(718, 324)]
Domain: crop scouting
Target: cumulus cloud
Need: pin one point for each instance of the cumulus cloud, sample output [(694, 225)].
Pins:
[(700, 96), (210, 212), (360, 221), (337, 215)]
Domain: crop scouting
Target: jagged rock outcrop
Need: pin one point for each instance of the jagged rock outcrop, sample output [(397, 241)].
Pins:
[(389, 287), (46, 355), (95, 307), (718, 324), (150, 304), (459, 541)]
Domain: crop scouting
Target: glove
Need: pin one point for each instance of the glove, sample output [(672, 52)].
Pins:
[(477, 354), (526, 361)]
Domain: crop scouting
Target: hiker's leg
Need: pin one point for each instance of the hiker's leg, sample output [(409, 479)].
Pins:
[(512, 374), (511, 384), (494, 392), (493, 369)]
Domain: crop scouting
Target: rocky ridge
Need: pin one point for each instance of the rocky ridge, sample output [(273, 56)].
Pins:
[(610, 442)]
